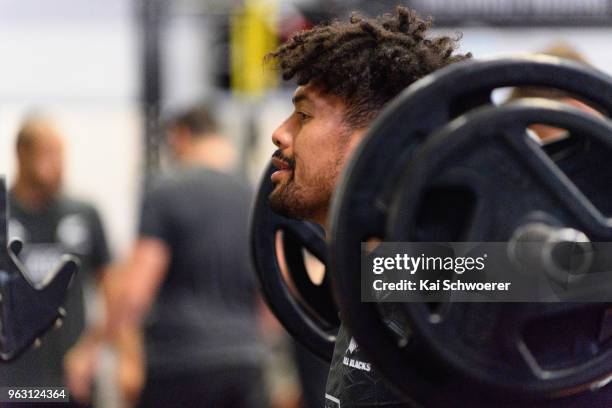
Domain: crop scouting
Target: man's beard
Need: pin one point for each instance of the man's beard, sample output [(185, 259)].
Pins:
[(302, 202), (290, 200)]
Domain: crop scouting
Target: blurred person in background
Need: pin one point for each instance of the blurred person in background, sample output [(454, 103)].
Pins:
[(50, 225), (548, 134), (188, 283)]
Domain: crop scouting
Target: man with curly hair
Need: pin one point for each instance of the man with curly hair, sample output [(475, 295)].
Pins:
[(346, 73)]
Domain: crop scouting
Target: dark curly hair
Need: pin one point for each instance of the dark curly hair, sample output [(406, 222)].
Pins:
[(365, 61)]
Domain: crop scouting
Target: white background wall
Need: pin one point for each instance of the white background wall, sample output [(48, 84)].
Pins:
[(78, 62), (594, 43)]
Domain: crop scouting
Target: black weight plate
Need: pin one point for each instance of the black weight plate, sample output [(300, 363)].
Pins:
[(306, 310), (360, 205), (512, 177)]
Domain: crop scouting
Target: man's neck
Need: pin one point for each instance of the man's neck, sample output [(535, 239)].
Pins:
[(322, 220), (28, 196)]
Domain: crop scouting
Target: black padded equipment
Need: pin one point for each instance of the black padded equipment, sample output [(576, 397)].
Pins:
[(27, 311)]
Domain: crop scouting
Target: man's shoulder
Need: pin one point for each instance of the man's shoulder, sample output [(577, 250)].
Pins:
[(72, 205)]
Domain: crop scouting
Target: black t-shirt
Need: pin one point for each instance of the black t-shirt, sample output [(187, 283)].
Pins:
[(204, 315), (354, 382), (65, 226)]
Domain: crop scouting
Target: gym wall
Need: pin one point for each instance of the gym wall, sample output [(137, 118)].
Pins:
[(78, 63)]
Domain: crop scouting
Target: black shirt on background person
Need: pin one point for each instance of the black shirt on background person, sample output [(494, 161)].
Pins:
[(202, 324)]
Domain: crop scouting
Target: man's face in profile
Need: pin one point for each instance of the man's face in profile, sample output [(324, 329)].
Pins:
[(313, 143)]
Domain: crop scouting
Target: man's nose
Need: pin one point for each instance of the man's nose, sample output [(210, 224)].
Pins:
[(282, 136)]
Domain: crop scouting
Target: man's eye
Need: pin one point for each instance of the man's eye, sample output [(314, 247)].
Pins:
[(302, 116)]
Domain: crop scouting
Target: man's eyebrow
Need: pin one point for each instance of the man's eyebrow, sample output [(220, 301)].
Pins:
[(297, 98)]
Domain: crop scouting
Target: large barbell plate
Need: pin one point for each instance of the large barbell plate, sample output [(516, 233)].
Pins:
[(361, 203), (510, 349), (305, 309)]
